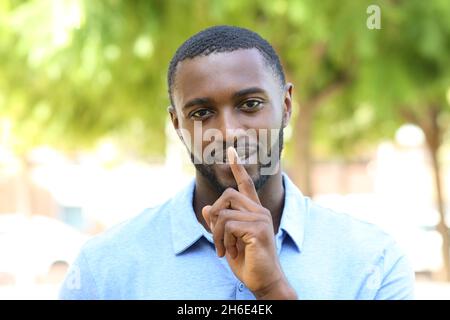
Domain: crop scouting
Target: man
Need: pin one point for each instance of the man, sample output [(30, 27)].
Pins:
[(241, 229)]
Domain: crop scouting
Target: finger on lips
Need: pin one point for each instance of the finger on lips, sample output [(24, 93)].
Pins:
[(234, 212), (243, 180)]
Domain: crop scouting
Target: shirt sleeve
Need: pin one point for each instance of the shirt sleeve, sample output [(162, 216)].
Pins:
[(79, 284), (397, 281)]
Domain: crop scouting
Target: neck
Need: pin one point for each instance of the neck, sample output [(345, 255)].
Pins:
[(271, 196)]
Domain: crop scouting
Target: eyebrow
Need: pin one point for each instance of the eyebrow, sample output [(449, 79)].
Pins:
[(248, 91), (236, 95), (196, 101)]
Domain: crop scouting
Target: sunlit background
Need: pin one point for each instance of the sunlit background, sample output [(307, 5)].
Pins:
[(86, 142)]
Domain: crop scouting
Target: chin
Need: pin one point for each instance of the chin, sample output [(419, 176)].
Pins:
[(225, 176)]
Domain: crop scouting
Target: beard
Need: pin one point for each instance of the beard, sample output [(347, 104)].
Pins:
[(207, 170)]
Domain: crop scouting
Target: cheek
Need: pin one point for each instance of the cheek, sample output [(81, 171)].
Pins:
[(186, 133), (277, 113), (268, 120), (269, 133), (269, 117), (267, 138)]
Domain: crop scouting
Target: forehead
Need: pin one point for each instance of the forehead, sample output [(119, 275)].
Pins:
[(221, 74)]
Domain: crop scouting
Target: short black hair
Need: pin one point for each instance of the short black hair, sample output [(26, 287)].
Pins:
[(223, 39)]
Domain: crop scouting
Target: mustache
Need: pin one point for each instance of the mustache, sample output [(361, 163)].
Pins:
[(267, 156), (243, 153), (217, 150)]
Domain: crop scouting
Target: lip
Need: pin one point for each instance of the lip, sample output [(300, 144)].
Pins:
[(243, 153)]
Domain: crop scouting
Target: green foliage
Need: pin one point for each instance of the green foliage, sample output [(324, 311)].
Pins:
[(73, 71)]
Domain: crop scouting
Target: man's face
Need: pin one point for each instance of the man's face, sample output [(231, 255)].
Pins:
[(235, 99)]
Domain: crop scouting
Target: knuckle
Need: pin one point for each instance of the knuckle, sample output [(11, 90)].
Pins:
[(213, 213), (266, 214), (222, 216), (260, 228), (228, 192), (229, 226), (266, 221), (223, 212)]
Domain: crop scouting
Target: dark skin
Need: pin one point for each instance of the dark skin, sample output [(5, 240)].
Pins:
[(237, 90)]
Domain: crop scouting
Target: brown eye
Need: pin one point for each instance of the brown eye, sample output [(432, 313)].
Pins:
[(200, 114), (251, 105)]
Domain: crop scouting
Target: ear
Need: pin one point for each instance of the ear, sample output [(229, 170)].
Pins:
[(287, 103), (174, 117)]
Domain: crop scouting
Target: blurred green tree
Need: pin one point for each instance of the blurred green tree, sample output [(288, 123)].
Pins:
[(400, 74), (74, 71)]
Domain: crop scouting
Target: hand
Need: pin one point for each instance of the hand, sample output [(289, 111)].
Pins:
[(243, 232)]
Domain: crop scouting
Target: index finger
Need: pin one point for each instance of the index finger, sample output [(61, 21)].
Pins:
[(243, 180)]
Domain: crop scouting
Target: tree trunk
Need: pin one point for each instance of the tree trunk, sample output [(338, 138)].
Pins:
[(442, 226), (303, 133), (433, 136), (432, 130)]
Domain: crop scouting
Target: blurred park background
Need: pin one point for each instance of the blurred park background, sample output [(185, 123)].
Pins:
[(85, 138)]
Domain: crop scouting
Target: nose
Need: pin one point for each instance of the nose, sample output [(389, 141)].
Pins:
[(229, 124)]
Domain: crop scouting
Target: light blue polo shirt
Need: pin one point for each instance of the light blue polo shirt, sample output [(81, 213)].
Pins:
[(165, 253)]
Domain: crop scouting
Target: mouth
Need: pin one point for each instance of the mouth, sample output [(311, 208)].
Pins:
[(245, 154)]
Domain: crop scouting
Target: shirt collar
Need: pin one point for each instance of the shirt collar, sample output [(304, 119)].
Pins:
[(186, 230), (296, 208)]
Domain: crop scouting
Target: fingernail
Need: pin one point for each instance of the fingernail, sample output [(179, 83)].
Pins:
[(232, 155)]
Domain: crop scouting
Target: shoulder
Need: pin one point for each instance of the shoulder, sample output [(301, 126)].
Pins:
[(114, 254), (365, 249), (350, 241), (346, 230), (128, 234)]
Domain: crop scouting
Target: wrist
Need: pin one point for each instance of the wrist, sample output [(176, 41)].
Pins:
[(279, 290)]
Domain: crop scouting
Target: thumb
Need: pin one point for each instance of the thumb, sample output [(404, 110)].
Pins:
[(205, 214)]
